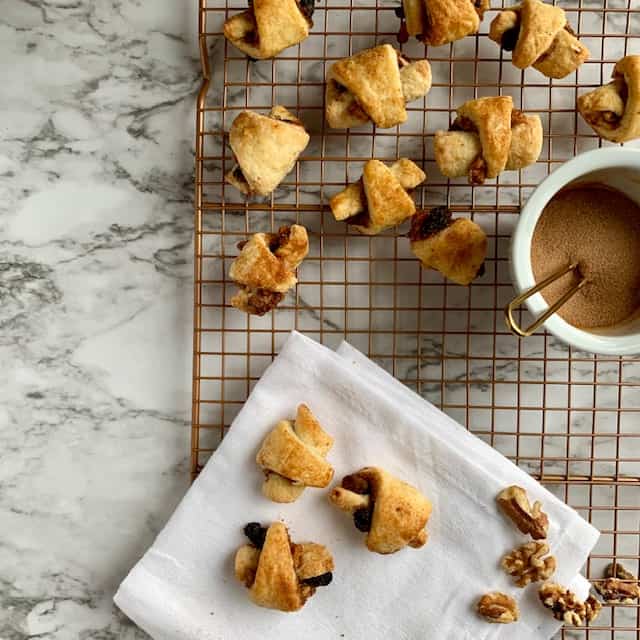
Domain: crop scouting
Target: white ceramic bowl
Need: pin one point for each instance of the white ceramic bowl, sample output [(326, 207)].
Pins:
[(616, 167)]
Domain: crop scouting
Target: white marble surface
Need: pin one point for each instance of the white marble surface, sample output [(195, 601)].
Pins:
[(96, 183), (96, 179)]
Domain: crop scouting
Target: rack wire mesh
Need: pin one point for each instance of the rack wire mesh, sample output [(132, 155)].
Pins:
[(567, 417)]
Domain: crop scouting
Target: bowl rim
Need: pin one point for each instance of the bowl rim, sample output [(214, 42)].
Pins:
[(520, 262)]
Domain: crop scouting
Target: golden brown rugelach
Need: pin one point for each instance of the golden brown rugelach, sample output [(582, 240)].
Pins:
[(293, 456), (264, 270), (540, 37), (488, 137), (437, 22), (374, 85), (613, 110), (279, 573), (380, 199), (392, 513), (265, 148), (455, 248), (269, 26)]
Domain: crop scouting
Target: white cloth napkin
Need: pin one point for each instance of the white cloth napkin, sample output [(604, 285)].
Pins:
[(184, 587)]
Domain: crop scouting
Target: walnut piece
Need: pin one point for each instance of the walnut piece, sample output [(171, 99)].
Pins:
[(527, 563), (530, 520), (615, 570), (615, 591), (592, 608), (566, 606), (498, 607), (619, 586)]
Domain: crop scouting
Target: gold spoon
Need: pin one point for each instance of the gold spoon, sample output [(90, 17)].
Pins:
[(513, 325)]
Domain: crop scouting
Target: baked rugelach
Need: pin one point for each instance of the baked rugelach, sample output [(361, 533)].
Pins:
[(266, 149), (294, 456), (613, 110), (281, 574), (488, 136), (380, 199), (268, 27), (374, 85), (393, 514), (437, 22), (264, 269), (539, 36), (455, 248)]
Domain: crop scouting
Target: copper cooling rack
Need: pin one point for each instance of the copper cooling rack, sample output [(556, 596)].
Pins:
[(569, 418)]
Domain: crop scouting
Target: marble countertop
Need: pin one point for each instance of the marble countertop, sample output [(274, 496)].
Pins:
[(96, 177)]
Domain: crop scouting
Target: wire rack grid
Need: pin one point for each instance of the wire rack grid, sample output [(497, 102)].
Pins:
[(567, 417)]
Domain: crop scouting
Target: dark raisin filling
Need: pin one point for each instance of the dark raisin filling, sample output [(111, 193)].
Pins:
[(354, 108), (262, 301), (355, 483), (517, 117), (362, 519), (510, 38), (242, 244), (319, 581), (403, 33), (481, 271), (426, 223), (307, 7), (252, 37), (462, 123), (279, 239), (340, 88), (288, 119), (256, 534), (238, 175)]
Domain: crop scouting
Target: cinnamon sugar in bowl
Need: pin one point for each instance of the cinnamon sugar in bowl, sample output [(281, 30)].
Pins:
[(604, 315)]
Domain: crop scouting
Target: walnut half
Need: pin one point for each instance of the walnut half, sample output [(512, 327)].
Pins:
[(566, 606), (515, 504), (498, 607), (615, 570), (619, 587), (527, 563), (615, 591), (592, 608)]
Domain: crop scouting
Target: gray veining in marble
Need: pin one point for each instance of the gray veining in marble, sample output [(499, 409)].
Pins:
[(96, 183)]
